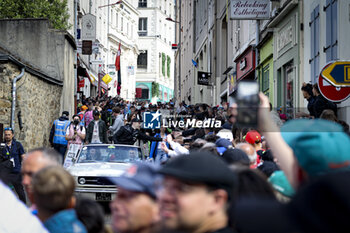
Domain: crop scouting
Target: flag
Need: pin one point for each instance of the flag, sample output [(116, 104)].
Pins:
[(117, 67), (194, 63)]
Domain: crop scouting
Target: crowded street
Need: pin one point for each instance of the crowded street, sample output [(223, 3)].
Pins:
[(184, 116)]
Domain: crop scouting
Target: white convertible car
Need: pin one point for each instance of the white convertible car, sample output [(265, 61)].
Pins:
[(95, 163)]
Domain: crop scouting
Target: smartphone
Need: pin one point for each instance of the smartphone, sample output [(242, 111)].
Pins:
[(247, 99)]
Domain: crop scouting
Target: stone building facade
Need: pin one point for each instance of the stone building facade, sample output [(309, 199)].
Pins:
[(38, 102)]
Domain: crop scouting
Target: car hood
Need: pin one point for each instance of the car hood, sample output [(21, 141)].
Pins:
[(98, 169)]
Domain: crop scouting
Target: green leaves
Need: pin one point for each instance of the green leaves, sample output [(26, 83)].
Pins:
[(155, 89), (168, 60), (56, 11), (163, 63)]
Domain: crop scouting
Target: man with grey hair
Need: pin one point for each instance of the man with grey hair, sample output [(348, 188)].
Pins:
[(250, 151), (34, 161)]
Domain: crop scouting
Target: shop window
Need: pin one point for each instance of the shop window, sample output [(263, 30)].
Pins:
[(331, 47)]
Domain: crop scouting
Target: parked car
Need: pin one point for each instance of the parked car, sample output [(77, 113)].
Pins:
[(94, 164)]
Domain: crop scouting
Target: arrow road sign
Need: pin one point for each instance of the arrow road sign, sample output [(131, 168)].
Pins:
[(338, 73), (331, 92)]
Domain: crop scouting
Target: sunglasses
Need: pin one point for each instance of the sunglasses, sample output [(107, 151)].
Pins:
[(8, 128)]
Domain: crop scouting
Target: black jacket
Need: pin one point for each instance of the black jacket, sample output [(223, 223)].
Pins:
[(102, 129), (128, 135)]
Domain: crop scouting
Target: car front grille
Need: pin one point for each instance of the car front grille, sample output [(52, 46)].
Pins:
[(95, 180)]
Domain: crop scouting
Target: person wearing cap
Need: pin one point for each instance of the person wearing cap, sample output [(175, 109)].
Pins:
[(196, 193), (97, 130), (135, 207), (130, 133), (58, 133)]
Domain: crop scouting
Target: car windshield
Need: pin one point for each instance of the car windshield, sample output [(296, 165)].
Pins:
[(111, 153)]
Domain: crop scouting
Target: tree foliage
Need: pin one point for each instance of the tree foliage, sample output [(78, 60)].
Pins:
[(168, 61), (155, 89), (163, 63), (56, 11)]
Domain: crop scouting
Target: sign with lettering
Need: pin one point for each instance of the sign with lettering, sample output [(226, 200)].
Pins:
[(250, 9), (204, 78), (88, 31), (284, 37)]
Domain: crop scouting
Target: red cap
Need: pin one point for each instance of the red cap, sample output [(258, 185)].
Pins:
[(252, 137)]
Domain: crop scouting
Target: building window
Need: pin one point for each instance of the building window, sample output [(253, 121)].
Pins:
[(142, 92), (116, 20), (142, 26), (315, 46), (122, 24), (142, 3), (331, 48), (265, 80), (142, 60)]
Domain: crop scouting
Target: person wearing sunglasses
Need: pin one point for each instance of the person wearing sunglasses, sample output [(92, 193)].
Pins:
[(11, 156)]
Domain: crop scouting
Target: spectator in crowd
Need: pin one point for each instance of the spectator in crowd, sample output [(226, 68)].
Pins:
[(251, 153), (135, 208), (58, 133), (34, 161), (309, 96), (75, 133), (253, 184), (321, 103), (118, 122), (88, 116), (53, 192), (97, 130), (90, 214), (329, 115), (11, 156), (236, 157), (196, 193), (156, 147), (128, 134)]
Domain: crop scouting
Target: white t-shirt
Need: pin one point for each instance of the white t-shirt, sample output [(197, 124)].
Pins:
[(95, 134), (15, 216)]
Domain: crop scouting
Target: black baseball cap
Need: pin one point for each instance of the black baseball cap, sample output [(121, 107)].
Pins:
[(96, 112), (201, 167)]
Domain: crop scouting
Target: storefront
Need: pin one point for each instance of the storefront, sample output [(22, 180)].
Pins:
[(265, 67), (286, 60)]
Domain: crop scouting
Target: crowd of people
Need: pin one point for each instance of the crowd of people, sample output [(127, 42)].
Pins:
[(286, 175)]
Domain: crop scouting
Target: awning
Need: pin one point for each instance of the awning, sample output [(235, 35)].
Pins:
[(92, 77)]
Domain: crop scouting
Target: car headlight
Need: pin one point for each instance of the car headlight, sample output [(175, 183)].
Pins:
[(81, 181)]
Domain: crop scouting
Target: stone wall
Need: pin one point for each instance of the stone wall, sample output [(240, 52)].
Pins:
[(36, 44), (38, 101)]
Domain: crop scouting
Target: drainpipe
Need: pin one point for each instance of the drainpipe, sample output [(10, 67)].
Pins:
[(14, 97)]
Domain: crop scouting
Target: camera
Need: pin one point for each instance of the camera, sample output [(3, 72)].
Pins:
[(247, 99)]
